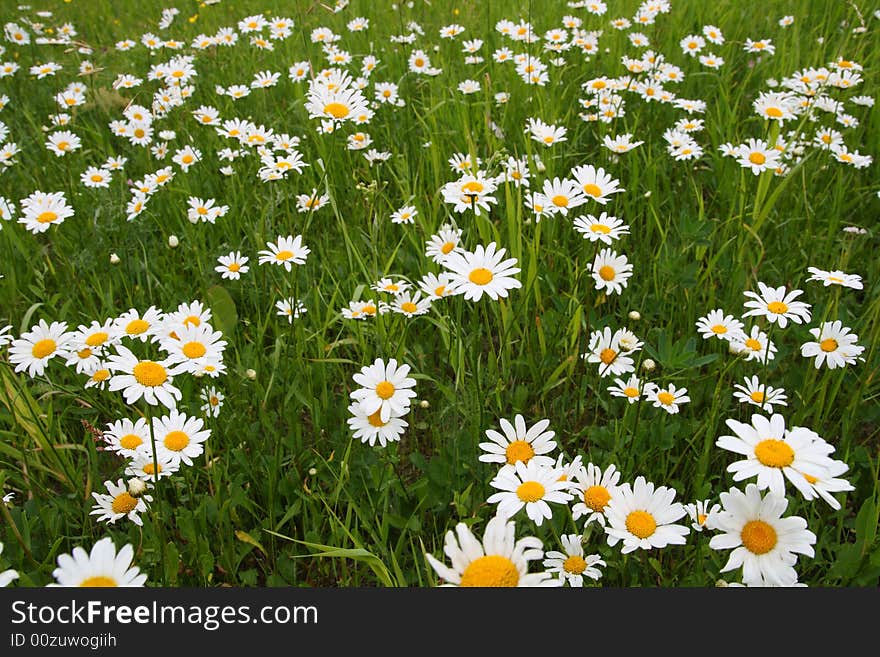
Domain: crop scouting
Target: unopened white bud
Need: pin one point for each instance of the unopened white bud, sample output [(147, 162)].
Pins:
[(648, 365), (136, 487), (173, 241), (114, 259), (251, 374), (635, 315), (424, 403)]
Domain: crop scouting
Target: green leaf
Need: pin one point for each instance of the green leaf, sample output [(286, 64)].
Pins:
[(225, 316), (244, 537)]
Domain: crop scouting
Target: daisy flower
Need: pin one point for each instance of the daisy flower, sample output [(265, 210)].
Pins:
[(193, 345), (118, 503), (701, 513), (758, 156), (101, 567), (385, 388), (482, 272), (133, 324), (610, 271), (213, 401), (596, 184), (286, 252), (41, 210), (436, 287), (631, 389), (390, 285), (620, 143), (545, 133), (835, 277), (773, 453), (149, 379), (180, 437), (408, 304), (754, 346), (35, 348), (572, 565), (834, 345), (777, 305), (719, 325), (127, 438), (290, 308), (404, 215), (144, 467), (593, 489), (603, 229), (232, 266), (756, 393), (95, 177), (643, 517), (606, 350), (562, 195), (764, 543), (530, 485), (667, 398), (830, 483), (370, 427), (63, 142), (519, 443), (499, 560)]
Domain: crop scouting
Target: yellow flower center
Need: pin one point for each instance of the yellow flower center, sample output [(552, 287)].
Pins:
[(46, 217), (574, 565), (446, 248), (774, 453), (375, 420), (719, 329), (491, 570), (194, 350), (187, 159), (43, 348), (419, 61), (97, 339), (600, 228), (385, 390), (131, 441), (369, 310), (607, 356), (100, 375), (96, 178), (176, 440), (560, 201), (150, 374), (777, 307), (631, 392), (519, 450), (336, 110), (757, 158), (472, 187), (641, 524), (234, 267), (606, 272), (284, 255), (773, 112), (148, 468), (408, 306), (828, 345), (84, 353), (757, 396), (123, 503), (758, 537), (596, 497), (665, 398), (530, 491), (810, 478), (439, 290), (701, 518), (214, 401), (480, 276), (753, 344), (136, 326), (98, 581), (593, 190)]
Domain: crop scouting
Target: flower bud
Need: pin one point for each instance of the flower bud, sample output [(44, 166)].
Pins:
[(114, 259), (648, 365), (251, 374), (173, 241), (635, 315), (136, 487)]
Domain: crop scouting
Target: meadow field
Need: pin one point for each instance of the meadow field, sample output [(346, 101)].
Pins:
[(409, 294)]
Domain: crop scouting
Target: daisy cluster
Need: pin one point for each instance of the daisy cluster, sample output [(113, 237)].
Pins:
[(142, 355)]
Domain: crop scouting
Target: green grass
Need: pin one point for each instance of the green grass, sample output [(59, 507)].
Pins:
[(283, 494)]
